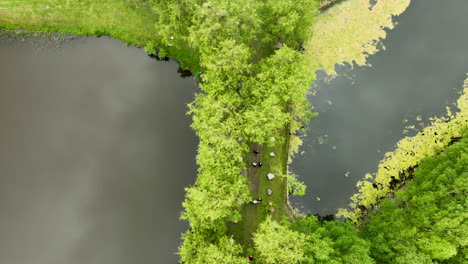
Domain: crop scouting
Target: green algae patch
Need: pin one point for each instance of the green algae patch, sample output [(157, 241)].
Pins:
[(351, 31)]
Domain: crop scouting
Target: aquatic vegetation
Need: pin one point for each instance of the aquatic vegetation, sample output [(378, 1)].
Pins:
[(350, 32), (397, 165)]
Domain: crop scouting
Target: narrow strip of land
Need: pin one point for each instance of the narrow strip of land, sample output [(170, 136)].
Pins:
[(274, 160)]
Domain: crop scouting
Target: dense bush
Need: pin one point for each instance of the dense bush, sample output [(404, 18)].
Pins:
[(426, 221), (276, 243), (331, 242), (192, 29)]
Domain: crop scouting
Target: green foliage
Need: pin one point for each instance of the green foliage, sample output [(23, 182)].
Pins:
[(225, 69), (162, 53), (172, 25), (206, 247), (294, 143), (277, 243), (214, 22), (295, 187), (191, 29), (331, 242), (130, 21), (220, 188), (226, 251), (288, 21), (426, 221), (150, 48), (277, 94)]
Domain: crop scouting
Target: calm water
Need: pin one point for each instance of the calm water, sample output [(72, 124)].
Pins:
[(96, 152), (97, 149), (363, 116)]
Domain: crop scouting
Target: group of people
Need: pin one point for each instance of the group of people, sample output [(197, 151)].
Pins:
[(256, 201), (257, 164)]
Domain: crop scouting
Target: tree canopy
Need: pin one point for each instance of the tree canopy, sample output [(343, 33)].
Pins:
[(276, 243), (426, 221), (332, 242)]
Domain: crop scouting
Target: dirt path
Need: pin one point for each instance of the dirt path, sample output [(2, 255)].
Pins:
[(254, 214), (251, 213), (252, 172)]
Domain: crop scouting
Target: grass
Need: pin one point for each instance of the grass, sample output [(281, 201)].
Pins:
[(131, 21), (254, 214)]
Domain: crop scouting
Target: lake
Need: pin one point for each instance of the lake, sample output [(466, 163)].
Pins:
[(96, 151)]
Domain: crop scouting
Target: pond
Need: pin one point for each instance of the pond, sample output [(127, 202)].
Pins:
[(96, 151), (364, 112)]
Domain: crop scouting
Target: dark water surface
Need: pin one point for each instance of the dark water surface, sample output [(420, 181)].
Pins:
[(95, 153), (419, 74)]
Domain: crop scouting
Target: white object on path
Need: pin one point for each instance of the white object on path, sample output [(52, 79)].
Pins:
[(269, 191), (272, 154), (271, 176)]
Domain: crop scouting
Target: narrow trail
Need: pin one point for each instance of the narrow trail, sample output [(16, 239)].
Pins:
[(275, 204)]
